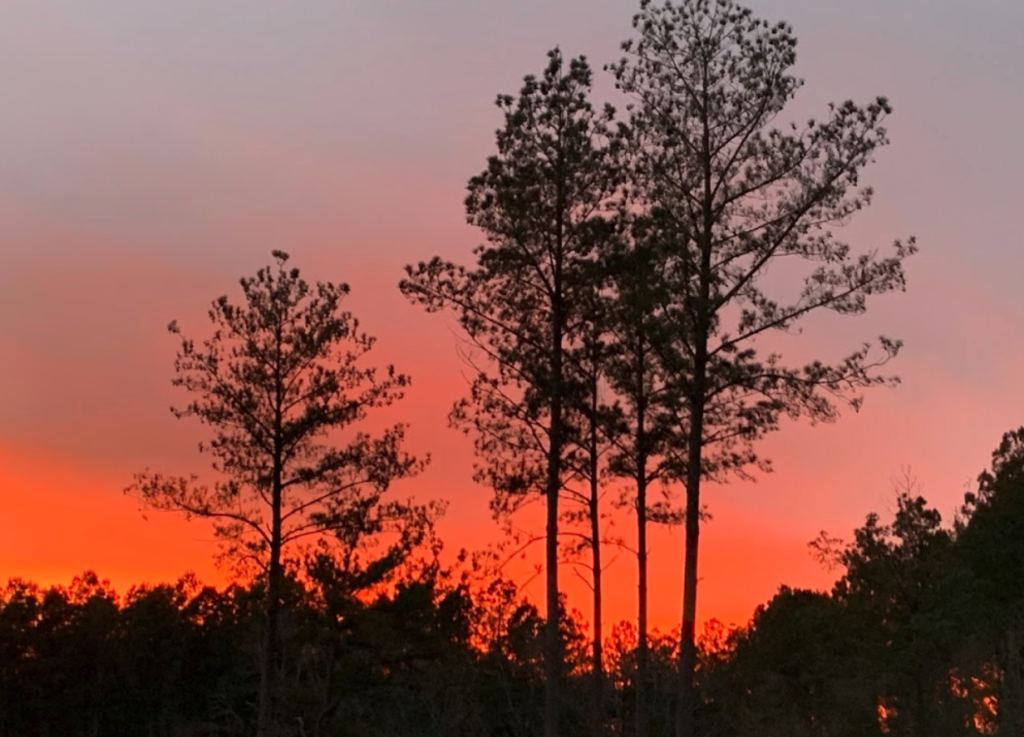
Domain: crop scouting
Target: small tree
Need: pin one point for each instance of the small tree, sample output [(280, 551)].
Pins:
[(279, 376), (540, 204), (730, 196)]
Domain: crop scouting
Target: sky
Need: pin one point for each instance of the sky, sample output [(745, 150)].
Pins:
[(153, 153)]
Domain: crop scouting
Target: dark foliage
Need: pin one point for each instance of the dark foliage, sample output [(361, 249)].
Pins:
[(920, 635)]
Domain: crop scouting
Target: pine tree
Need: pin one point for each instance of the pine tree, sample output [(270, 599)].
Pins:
[(280, 375), (731, 195), (541, 205)]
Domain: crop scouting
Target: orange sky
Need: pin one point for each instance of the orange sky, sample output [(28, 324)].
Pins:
[(156, 152)]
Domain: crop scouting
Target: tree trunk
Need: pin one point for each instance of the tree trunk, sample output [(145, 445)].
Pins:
[(268, 662), (595, 533), (597, 663), (265, 722), (641, 619), (686, 709), (641, 538), (687, 706), (552, 633), (552, 629)]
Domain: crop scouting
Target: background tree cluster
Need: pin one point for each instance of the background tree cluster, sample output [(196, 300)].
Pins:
[(920, 635)]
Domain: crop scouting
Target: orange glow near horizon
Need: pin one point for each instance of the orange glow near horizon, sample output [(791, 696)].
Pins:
[(100, 529)]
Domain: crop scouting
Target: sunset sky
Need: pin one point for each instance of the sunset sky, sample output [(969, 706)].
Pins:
[(152, 153)]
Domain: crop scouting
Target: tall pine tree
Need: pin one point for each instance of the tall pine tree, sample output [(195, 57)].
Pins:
[(541, 205), (731, 195)]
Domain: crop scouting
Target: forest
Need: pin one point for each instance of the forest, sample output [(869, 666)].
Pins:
[(627, 330)]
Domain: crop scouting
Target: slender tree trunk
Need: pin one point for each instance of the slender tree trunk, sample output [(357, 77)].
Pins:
[(552, 629), (597, 665), (641, 540), (598, 657), (641, 619), (552, 634), (687, 706), (595, 536), (268, 664), (686, 709), (265, 720)]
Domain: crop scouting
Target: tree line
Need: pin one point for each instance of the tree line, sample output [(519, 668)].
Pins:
[(919, 635), (618, 322)]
